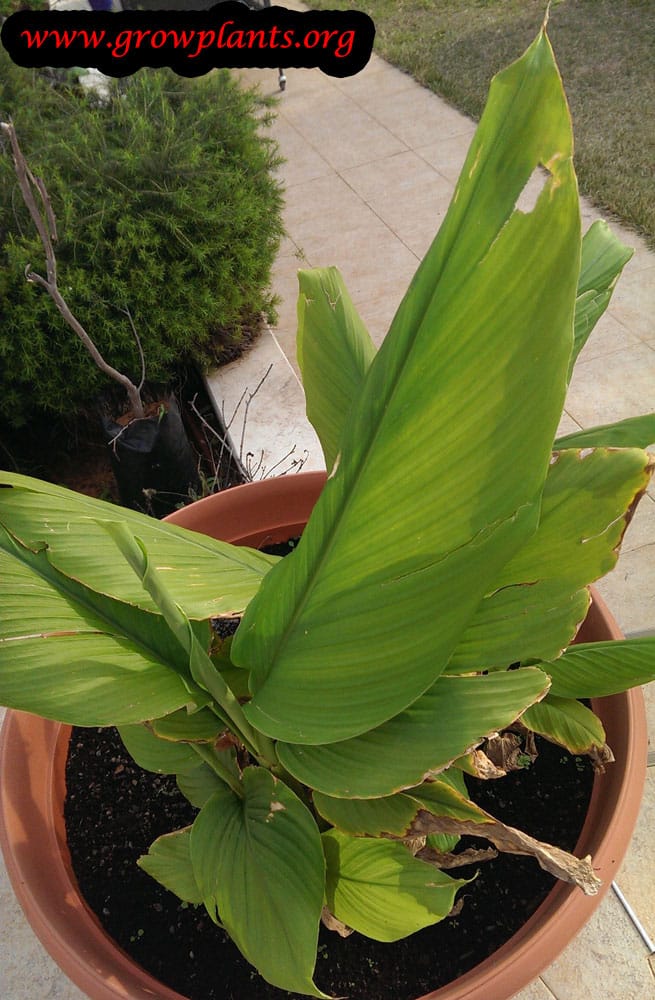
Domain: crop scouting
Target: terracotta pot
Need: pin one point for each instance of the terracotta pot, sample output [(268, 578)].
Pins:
[(32, 789)]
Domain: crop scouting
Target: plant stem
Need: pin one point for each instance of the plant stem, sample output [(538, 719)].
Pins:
[(46, 228), (217, 766)]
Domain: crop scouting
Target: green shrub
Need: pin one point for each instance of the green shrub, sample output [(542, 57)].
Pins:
[(166, 206)]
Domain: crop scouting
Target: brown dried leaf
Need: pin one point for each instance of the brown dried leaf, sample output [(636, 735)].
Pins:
[(600, 756), (552, 859), (332, 924), (413, 844), (504, 751), (472, 856), (482, 767)]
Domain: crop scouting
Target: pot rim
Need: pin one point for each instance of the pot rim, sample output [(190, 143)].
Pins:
[(32, 789)]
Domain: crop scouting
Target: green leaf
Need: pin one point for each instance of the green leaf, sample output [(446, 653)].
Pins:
[(201, 668), (392, 814), (169, 862), (442, 842), (596, 669), (378, 888), (259, 864), (455, 714), (206, 577), (633, 432), (190, 727), (199, 784), (567, 722), (362, 618), (334, 354), (155, 754), (537, 605), (114, 664), (440, 799), (603, 259), (522, 622)]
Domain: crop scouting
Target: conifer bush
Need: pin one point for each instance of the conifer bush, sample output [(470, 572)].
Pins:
[(168, 215)]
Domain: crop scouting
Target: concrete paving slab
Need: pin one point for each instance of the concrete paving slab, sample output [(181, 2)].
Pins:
[(606, 961), (421, 197), (635, 877), (262, 402), (613, 386)]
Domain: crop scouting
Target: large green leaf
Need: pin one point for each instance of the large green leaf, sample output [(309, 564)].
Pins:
[(633, 432), (394, 814), (537, 605), (259, 864), (455, 714), (335, 349), (603, 258), (205, 576), (596, 669), (334, 354), (567, 722), (169, 861), (446, 449), (189, 727), (79, 657), (154, 754), (201, 668), (378, 888), (199, 784), (526, 620)]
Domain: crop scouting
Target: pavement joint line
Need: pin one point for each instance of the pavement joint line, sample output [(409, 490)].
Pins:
[(547, 987)]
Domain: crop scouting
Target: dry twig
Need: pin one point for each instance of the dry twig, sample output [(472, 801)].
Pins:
[(46, 228)]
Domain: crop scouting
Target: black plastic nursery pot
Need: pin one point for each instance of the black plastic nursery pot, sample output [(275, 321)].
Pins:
[(151, 458)]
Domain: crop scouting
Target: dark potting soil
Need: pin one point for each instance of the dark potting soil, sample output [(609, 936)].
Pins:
[(114, 810)]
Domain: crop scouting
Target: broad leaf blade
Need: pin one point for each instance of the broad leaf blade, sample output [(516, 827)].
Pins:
[(441, 799), (199, 784), (114, 664), (490, 309), (259, 864), (378, 888), (537, 604), (633, 432), (169, 862), (391, 815), (155, 754), (525, 621), (197, 727), (455, 714), (596, 669), (603, 259), (334, 354), (205, 576), (566, 722)]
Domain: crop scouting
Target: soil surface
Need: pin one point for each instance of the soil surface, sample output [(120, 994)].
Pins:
[(114, 811)]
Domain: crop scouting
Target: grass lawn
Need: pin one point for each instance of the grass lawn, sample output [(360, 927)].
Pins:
[(606, 53)]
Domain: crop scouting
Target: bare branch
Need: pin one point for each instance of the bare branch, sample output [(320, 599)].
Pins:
[(249, 400), (46, 228), (139, 347), (223, 442)]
